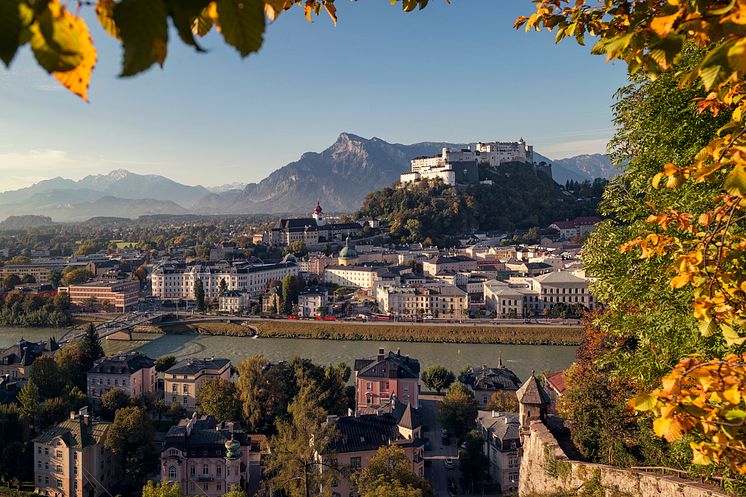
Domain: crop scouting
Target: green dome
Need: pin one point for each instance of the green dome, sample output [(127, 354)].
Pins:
[(348, 251), (232, 449)]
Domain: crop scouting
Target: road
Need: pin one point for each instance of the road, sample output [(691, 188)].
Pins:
[(436, 471)]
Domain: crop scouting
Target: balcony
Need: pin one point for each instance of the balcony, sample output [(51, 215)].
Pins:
[(203, 478)]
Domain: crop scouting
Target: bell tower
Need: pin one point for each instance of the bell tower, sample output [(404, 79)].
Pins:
[(318, 214)]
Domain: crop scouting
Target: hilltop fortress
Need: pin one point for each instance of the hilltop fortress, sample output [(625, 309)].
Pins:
[(462, 166)]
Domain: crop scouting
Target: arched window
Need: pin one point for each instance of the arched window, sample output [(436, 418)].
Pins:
[(172, 473), (205, 469)]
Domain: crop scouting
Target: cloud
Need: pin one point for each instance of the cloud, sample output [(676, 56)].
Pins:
[(573, 148), (21, 169)]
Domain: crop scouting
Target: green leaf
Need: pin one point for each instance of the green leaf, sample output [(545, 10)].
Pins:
[(183, 13), (10, 29), (242, 23), (144, 30), (55, 40), (735, 414), (735, 182)]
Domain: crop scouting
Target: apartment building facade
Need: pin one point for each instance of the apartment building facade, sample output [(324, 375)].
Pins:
[(132, 373), (122, 295), (70, 459), (182, 382), (386, 375)]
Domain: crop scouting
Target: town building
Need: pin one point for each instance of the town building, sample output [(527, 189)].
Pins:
[(71, 460), (348, 255), (131, 372), (360, 276), (311, 301), (437, 301), (121, 295), (485, 381), (360, 436), (442, 264), (234, 301), (175, 281), (271, 301), (16, 360), (576, 228), (182, 382), (208, 458), (525, 297), (502, 446), (556, 386), (312, 231), (384, 375), (40, 271)]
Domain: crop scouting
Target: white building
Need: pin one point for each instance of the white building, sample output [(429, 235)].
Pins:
[(530, 296), (234, 301), (502, 446), (448, 166), (358, 276), (176, 281), (443, 301), (311, 300)]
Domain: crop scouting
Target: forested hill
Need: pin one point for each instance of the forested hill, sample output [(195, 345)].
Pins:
[(432, 212)]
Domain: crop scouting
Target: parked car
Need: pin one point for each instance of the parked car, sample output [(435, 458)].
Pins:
[(449, 463)]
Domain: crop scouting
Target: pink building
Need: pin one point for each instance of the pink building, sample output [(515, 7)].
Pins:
[(379, 378), (208, 458), (132, 373)]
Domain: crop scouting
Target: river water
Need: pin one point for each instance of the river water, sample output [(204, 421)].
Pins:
[(522, 359)]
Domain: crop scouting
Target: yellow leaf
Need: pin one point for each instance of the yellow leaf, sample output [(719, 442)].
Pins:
[(78, 79), (662, 25), (668, 428), (733, 395), (105, 14), (680, 281), (737, 56)]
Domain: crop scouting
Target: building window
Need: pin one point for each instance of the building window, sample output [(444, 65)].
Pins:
[(219, 470), (192, 470), (355, 463), (205, 469), (171, 473), (186, 388)]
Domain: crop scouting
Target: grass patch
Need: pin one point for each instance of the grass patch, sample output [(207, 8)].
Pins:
[(530, 335)]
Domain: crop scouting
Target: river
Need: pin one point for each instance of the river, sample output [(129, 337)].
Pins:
[(522, 359)]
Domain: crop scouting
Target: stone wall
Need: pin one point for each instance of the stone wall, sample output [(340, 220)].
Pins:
[(545, 468)]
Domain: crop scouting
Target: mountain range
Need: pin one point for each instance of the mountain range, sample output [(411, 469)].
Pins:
[(339, 177)]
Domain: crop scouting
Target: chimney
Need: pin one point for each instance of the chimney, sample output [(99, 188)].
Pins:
[(380, 354), (86, 419)]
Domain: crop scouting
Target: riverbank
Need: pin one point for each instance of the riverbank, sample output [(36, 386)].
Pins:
[(400, 332)]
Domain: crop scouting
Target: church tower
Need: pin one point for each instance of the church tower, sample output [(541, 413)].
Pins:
[(318, 215)]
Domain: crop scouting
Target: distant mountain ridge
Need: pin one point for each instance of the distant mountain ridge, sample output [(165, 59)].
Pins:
[(339, 177)]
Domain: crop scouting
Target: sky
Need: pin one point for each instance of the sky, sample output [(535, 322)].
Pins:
[(454, 72)]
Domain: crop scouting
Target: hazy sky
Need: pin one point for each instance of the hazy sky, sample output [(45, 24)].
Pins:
[(456, 72)]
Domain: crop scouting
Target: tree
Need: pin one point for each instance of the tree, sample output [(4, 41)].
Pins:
[(46, 377), (131, 438), (292, 466), (164, 363), (141, 273), (55, 276), (699, 249), (291, 288), (162, 489), (222, 286), (28, 399), (72, 365), (199, 295), (76, 276), (90, 348), (53, 411), (393, 490), (219, 398), (11, 281), (472, 461), (176, 411), (438, 378), (14, 453), (264, 390), (390, 467), (28, 278), (458, 411), (503, 401), (112, 401), (235, 491)]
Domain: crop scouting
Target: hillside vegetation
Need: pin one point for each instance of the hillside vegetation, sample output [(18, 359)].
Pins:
[(434, 213)]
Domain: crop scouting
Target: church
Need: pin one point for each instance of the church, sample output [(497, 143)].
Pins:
[(311, 230)]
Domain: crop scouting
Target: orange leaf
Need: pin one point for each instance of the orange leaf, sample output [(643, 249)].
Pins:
[(77, 80)]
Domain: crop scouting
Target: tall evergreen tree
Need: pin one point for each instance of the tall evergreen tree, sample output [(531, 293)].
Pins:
[(199, 294), (90, 347), (28, 399)]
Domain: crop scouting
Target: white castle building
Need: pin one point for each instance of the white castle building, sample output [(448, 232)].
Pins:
[(460, 166)]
